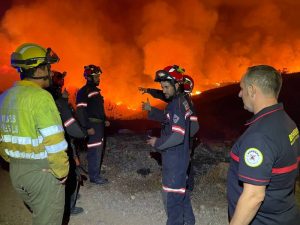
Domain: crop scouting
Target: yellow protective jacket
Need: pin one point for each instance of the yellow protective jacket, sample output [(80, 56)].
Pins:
[(31, 128)]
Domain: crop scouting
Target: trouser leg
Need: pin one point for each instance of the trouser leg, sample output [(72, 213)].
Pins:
[(190, 177), (94, 159), (41, 191), (173, 203), (189, 217), (71, 185), (95, 151)]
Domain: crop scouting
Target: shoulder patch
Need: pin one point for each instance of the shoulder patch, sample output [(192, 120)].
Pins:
[(253, 157), (186, 105), (175, 118)]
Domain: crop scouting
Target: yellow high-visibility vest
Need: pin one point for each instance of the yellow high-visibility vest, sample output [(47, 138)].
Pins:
[(31, 128)]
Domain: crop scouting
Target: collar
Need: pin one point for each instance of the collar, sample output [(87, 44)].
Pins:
[(264, 112), (27, 83), (92, 85)]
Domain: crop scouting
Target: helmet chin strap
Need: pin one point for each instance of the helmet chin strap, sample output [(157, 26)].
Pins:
[(47, 77)]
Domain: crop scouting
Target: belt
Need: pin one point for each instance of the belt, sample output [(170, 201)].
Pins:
[(95, 120)]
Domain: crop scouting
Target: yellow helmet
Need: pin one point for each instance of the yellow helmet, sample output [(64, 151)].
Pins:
[(31, 55)]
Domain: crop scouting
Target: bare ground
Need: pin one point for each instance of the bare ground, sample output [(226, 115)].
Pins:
[(129, 198)]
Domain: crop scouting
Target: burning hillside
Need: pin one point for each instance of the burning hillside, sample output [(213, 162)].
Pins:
[(213, 40)]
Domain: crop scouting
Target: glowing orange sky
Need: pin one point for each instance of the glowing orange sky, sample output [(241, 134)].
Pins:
[(214, 40)]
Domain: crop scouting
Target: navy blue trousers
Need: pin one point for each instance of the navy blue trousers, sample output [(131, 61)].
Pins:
[(95, 150), (178, 208)]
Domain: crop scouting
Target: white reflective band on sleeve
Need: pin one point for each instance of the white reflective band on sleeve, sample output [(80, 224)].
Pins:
[(81, 104), (22, 140), (24, 155), (69, 122), (61, 146), (94, 144), (194, 118), (187, 114), (178, 129), (92, 94), (168, 115), (48, 131), (180, 191)]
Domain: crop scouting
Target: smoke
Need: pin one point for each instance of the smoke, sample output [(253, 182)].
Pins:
[(214, 40)]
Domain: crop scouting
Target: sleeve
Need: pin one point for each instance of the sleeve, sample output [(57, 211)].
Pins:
[(156, 114), (256, 159), (49, 124), (81, 105), (178, 129), (71, 125), (194, 125), (155, 93)]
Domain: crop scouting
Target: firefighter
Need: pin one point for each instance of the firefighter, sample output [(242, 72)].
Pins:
[(91, 115), (173, 145), (33, 136), (264, 165), (73, 131), (187, 87)]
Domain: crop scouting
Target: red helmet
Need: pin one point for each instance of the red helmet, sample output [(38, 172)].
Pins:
[(169, 73), (188, 84), (58, 79), (91, 70)]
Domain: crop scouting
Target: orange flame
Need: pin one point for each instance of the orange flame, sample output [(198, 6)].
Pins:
[(215, 41)]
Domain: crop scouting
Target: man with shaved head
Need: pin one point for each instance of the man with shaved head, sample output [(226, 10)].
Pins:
[(264, 164)]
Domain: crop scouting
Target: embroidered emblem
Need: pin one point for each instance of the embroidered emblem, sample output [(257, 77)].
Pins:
[(253, 157), (175, 118)]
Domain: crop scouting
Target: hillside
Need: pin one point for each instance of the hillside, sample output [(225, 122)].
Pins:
[(221, 113)]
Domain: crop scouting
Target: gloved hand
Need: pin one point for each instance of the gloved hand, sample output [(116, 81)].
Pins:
[(146, 105)]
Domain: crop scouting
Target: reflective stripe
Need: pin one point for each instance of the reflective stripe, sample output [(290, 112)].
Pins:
[(92, 94), (281, 170), (22, 140), (286, 169), (94, 144), (69, 122), (61, 146), (168, 115), (180, 190), (234, 157), (83, 104), (26, 155), (194, 118), (187, 114), (48, 131), (253, 179), (178, 129)]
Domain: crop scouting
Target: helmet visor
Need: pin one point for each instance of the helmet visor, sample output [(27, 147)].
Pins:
[(162, 75), (51, 56)]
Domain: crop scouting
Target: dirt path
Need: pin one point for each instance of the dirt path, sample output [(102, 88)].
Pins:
[(108, 205), (129, 198)]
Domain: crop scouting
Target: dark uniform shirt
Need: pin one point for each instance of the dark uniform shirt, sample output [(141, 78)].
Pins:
[(194, 126), (267, 155), (90, 105), (72, 127), (174, 143)]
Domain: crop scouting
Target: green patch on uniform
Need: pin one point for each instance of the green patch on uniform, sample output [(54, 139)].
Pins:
[(294, 136), (253, 157)]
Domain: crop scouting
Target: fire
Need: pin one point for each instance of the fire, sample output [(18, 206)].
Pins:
[(215, 41)]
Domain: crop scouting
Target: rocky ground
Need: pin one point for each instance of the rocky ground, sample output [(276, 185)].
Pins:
[(133, 194)]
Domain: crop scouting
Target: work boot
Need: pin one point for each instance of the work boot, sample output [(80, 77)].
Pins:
[(76, 210), (99, 181)]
